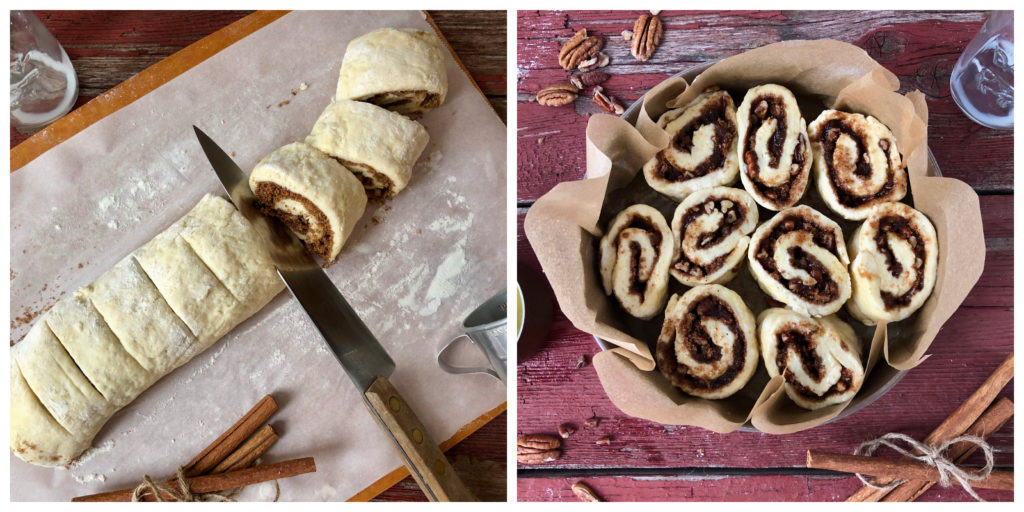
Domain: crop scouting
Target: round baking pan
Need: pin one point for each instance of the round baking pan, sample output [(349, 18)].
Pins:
[(889, 375)]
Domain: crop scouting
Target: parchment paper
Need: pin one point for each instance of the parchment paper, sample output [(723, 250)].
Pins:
[(413, 268), (564, 225)]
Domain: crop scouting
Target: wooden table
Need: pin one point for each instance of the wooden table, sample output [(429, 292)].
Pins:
[(650, 461), (108, 47)]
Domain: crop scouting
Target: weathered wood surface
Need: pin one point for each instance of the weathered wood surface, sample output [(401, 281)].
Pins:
[(108, 47), (919, 47), (652, 462)]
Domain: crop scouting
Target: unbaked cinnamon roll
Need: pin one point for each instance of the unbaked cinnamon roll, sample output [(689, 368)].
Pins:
[(799, 258), (402, 70), (636, 252), (378, 145), (315, 196), (702, 151), (711, 228), (820, 359), (774, 153), (856, 163), (708, 343), (895, 256)]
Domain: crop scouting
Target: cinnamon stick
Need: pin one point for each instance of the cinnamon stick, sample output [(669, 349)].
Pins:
[(989, 423), (897, 468), (213, 454), (222, 481), (955, 424), (251, 450)]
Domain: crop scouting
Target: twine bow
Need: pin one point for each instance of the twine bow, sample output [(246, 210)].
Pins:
[(931, 455), (181, 491)]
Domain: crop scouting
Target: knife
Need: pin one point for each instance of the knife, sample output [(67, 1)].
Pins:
[(360, 354)]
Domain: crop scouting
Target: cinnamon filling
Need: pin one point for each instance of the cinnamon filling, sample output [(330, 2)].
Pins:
[(268, 194), (714, 113), (800, 338), (764, 107), (405, 100), (636, 285), (378, 185), (734, 215), (901, 227), (830, 134), (691, 334), (821, 289)]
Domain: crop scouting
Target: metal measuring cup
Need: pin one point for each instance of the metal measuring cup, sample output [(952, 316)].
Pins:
[(485, 327)]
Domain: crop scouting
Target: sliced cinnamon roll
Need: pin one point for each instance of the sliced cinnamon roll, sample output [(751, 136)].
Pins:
[(774, 153), (895, 257), (636, 252), (402, 70), (708, 343), (799, 258), (315, 196), (711, 228), (856, 163), (820, 359), (702, 151), (378, 145)]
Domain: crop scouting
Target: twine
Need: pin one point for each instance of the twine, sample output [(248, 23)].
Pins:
[(933, 456), (181, 491)]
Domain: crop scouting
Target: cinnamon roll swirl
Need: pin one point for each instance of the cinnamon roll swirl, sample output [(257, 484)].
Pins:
[(708, 343), (774, 153), (402, 70), (856, 163), (895, 257), (702, 151), (636, 252), (378, 145), (820, 359), (315, 196), (711, 228), (799, 258)]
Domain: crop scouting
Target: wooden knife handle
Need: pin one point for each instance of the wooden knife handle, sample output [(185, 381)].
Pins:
[(426, 462)]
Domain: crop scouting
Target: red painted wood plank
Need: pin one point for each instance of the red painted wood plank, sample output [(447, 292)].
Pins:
[(742, 489), (968, 348), (920, 47)]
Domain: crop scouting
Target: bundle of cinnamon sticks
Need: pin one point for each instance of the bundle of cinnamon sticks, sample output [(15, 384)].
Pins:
[(976, 416), (225, 463)]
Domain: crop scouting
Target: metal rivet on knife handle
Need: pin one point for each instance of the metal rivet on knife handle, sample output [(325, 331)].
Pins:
[(395, 404), (417, 435)]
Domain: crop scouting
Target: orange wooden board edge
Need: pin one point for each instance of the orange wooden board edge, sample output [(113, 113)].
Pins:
[(138, 86), (392, 478)]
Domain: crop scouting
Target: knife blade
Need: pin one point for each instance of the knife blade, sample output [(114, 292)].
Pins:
[(355, 347)]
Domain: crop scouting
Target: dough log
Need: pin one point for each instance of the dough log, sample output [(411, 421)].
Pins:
[(96, 350)]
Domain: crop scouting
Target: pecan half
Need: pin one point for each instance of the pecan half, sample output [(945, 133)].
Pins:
[(584, 492), (557, 95), (607, 103), (537, 448), (589, 79), (646, 36), (578, 49)]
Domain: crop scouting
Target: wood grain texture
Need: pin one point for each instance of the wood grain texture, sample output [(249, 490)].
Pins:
[(919, 47)]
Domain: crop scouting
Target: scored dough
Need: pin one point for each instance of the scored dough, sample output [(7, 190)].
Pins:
[(378, 145), (140, 317), (61, 387), (97, 351), (315, 196), (229, 246), (35, 436)]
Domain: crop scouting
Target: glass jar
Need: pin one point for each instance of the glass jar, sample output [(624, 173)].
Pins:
[(44, 86)]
